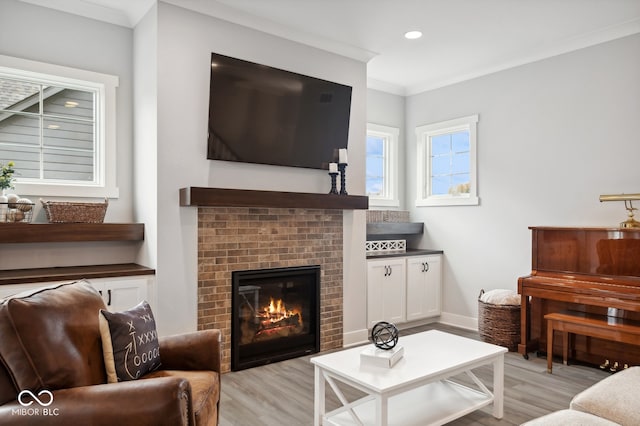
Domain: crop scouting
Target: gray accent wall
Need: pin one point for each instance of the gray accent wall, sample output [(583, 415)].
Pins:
[(552, 136), (388, 109), (46, 35)]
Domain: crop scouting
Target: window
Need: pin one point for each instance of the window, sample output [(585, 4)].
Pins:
[(381, 165), (447, 163), (57, 125)]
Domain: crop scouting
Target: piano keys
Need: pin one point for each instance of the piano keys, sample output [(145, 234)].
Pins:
[(591, 270)]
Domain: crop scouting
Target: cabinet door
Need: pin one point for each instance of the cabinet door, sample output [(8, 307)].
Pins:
[(119, 294), (424, 286), (122, 294), (386, 296)]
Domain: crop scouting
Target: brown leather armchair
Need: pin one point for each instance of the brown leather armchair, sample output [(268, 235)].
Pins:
[(50, 342)]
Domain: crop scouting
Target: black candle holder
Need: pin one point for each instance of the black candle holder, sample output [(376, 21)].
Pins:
[(343, 178), (334, 189)]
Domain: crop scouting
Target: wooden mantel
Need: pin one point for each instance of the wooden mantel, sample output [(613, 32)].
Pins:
[(218, 197)]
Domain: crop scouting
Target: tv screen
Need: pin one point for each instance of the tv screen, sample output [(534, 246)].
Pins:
[(260, 114)]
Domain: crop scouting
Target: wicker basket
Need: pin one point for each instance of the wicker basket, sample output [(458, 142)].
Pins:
[(16, 212), (499, 324), (68, 212)]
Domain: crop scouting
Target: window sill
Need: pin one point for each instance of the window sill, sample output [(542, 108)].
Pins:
[(448, 201), (56, 190)]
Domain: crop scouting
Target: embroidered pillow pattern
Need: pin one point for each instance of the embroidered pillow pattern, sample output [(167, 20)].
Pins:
[(129, 343)]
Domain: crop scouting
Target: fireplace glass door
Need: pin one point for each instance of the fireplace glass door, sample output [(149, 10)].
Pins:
[(275, 315)]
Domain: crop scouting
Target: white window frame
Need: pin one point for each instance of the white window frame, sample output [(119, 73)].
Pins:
[(390, 197), (424, 135), (104, 184)]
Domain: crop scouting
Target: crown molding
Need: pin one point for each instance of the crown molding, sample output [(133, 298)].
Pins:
[(230, 14), (125, 13)]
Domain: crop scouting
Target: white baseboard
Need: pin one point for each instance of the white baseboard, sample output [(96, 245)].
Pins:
[(359, 337), (455, 320), (353, 338)]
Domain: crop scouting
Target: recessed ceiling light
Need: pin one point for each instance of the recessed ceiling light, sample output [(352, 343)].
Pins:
[(412, 35), (71, 104), (53, 126)]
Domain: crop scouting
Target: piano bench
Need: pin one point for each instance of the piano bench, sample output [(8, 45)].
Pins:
[(598, 326)]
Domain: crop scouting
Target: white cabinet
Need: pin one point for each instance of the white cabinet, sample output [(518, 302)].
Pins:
[(386, 290), (122, 293), (424, 284), (118, 293), (401, 289)]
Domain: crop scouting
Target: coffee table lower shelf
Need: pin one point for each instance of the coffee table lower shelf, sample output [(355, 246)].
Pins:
[(433, 404)]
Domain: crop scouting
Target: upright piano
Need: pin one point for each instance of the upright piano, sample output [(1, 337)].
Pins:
[(592, 270)]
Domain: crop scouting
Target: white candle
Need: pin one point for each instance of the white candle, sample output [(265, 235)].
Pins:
[(333, 167), (343, 156)]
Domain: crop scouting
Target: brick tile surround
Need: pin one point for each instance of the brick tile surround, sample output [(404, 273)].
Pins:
[(244, 238)]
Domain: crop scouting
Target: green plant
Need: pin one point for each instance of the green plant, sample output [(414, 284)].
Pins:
[(6, 177)]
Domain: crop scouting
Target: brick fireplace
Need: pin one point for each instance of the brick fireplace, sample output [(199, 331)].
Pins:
[(247, 238)]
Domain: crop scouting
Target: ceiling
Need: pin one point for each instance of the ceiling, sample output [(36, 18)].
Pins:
[(462, 39)]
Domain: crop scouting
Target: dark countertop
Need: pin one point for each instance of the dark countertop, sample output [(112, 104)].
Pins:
[(409, 252)]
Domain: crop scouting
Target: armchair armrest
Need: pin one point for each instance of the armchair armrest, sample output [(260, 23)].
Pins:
[(157, 401), (199, 350)]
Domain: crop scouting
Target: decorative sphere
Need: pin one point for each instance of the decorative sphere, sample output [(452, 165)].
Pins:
[(384, 335)]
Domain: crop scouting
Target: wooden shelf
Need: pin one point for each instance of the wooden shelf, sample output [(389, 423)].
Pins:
[(218, 197), (69, 232), (34, 275)]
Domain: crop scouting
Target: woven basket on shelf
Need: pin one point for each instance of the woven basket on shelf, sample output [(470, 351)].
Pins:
[(499, 324), (68, 212)]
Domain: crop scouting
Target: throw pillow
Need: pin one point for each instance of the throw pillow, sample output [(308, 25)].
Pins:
[(500, 297), (129, 343)]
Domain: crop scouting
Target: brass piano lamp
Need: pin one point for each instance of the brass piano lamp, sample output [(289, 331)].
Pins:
[(627, 198)]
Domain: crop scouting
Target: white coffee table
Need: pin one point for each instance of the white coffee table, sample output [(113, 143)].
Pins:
[(415, 391)]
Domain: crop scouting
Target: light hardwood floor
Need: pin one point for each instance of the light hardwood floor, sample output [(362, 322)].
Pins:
[(282, 393)]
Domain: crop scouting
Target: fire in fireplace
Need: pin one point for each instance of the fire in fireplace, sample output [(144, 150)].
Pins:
[(275, 315)]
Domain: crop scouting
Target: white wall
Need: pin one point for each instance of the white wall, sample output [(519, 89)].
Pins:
[(185, 42), (170, 51), (552, 136), (145, 149), (45, 35), (389, 110)]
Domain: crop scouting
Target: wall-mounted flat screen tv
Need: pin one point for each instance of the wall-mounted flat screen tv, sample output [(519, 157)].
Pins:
[(265, 115)]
